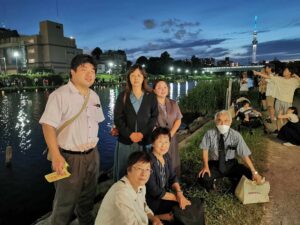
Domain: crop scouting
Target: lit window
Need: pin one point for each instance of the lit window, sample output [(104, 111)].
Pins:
[(31, 60), (31, 50)]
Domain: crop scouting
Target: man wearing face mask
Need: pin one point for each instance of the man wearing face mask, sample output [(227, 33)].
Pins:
[(220, 147)]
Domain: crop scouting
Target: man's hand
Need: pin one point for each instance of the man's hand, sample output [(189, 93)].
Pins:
[(203, 171), (257, 178), (182, 201), (58, 163)]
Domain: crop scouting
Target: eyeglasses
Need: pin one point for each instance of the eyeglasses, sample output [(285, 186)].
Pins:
[(141, 170)]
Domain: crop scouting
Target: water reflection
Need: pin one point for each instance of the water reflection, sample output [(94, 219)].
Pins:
[(186, 87), (22, 123), (111, 106), (4, 121), (178, 90), (171, 91)]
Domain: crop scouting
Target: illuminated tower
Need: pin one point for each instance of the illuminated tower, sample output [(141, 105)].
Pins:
[(254, 42)]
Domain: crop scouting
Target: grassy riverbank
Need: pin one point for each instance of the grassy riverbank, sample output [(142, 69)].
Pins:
[(222, 208)]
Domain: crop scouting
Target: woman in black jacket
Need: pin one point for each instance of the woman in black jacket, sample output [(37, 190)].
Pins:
[(135, 116), (163, 188)]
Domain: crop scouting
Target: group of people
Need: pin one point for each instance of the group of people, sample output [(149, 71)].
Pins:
[(278, 91), (146, 163)]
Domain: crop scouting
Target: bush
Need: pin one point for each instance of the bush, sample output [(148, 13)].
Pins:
[(207, 96)]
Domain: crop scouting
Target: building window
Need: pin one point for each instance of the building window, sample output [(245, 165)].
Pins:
[(31, 60), (31, 50), (31, 40)]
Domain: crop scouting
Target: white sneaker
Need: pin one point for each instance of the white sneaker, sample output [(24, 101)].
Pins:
[(288, 144)]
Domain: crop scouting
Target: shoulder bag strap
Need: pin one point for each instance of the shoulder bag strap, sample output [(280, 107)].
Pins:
[(68, 122)]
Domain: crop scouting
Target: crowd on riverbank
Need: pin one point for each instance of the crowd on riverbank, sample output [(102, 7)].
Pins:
[(137, 112)]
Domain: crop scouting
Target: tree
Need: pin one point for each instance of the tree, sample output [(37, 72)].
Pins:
[(165, 62), (195, 61), (142, 60), (128, 64), (154, 65), (165, 56), (96, 53)]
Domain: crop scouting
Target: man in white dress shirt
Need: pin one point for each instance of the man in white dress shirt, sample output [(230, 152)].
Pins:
[(76, 144)]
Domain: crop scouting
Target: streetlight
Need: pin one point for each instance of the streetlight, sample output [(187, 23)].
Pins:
[(110, 65), (178, 70), (16, 55), (143, 65), (171, 69), (195, 71), (187, 71)]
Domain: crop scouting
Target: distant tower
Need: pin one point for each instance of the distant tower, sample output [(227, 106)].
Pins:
[(254, 42)]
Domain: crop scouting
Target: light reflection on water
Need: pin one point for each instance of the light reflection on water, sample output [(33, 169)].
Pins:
[(24, 183), (23, 123)]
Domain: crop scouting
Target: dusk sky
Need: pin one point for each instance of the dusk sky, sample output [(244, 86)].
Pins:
[(212, 28)]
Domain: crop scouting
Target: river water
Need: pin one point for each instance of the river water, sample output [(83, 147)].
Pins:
[(24, 193)]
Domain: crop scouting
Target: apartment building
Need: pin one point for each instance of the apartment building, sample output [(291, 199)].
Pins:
[(49, 49)]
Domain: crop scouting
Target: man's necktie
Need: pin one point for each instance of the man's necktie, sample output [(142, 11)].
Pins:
[(222, 166)]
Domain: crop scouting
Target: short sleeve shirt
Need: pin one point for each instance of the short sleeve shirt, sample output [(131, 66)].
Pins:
[(293, 118), (285, 88), (122, 205), (63, 104), (234, 144)]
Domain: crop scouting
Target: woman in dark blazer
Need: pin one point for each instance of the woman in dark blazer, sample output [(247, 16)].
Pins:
[(163, 188), (135, 116)]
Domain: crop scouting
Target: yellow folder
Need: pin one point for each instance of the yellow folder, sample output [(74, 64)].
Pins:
[(51, 177)]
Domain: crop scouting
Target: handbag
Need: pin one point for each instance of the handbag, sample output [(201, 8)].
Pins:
[(249, 191), (67, 123), (192, 215)]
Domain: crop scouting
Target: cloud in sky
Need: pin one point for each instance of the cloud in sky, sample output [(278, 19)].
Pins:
[(282, 49), (177, 28), (181, 29), (149, 24), (203, 52), (167, 44)]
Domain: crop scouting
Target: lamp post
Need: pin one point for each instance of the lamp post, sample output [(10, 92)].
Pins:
[(171, 69), (110, 65), (16, 55)]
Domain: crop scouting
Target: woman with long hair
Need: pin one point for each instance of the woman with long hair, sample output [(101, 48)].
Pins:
[(135, 116)]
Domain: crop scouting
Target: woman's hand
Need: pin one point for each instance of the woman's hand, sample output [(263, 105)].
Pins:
[(136, 137), (182, 201), (156, 221)]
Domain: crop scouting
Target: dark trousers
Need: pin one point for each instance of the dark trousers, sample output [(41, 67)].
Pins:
[(160, 206), (77, 192), (234, 171)]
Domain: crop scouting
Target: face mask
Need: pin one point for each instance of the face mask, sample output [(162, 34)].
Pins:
[(223, 129)]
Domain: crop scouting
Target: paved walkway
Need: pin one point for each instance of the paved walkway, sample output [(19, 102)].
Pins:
[(284, 176)]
